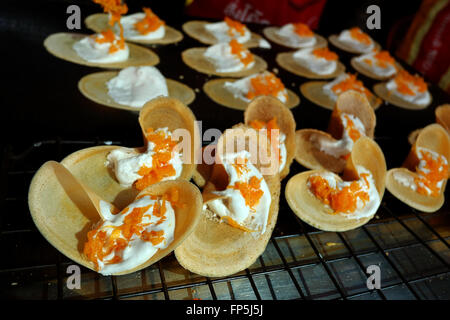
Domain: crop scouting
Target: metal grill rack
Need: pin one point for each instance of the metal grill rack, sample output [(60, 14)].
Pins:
[(300, 262)]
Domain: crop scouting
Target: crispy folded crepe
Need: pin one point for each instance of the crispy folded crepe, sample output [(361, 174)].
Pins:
[(196, 29), (194, 59), (358, 66), (64, 214), (61, 45), (287, 62), (268, 108), (216, 90), (173, 114), (313, 91), (215, 248), (308, 152), (335, 41), (381, 90), (99, 22), (272, 34), (309, 208), (93, 86), (436, 139)]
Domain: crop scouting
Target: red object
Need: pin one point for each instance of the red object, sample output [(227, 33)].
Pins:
[(260, 11)]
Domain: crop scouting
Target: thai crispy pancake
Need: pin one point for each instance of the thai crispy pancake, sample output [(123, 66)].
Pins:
[(381, 90), (98, 22), (272, 34), (216, 249), (216, 90), (64, 215), (313, 91), (435, 138), (310, 209), (308, 153), (287, 62), (335, 41), (61, 45), (93, 86), (267, 108), (196, 29), (194, 59)]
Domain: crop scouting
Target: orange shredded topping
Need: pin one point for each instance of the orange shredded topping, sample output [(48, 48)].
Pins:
[(240, 165), (250, 191), (234, 224), (360, 36), (149, 23), (384, 59), (116, 10), (238, 49), (161, 168), (99, 245), (351, 83), (368, 61), (430, 174), (265, 84), (233, 26), (340, 200), (353, 133), (302, 30), (325, 53), (405, 80)]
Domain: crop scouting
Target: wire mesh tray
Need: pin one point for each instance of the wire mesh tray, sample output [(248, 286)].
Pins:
[(300, 262)]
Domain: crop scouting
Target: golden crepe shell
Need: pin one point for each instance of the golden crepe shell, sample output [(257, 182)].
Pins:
[(308, 155), (313, 91), (61, 46), (93, 86), (361, 68), (435, 138), (196, 29), (381, 90), (442, 114), (216, 249), (216, 90), (194, 58), (64, 216), (98, 22), (306, 206), (287, 62), (171, 113), (265, 108), (271, 33), (334, 39)]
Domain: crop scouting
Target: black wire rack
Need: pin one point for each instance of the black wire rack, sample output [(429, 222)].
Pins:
[(410, 248)]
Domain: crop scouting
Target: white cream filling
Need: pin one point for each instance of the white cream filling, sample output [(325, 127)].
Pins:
[(223, 60), (346, 38), (233, 204), (126, 162), (374, 68), (220, 30), (327, 89), (241, 87), (343, 146), (130, 32), (137, 251), (363, 209), (90, 50), (287, 32), (315, 64), (134, 86), (419, 98)]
